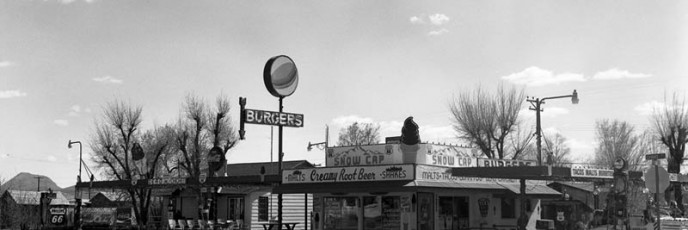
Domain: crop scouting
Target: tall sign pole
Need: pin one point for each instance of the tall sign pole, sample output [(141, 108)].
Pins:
[(281, 78), (280, 199), (657, 182), (655, 162)]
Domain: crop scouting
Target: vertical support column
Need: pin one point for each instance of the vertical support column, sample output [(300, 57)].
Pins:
[(279, 169), (522, 219), (655, 162)]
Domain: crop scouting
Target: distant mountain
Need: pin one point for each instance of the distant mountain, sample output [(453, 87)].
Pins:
[(29, 182)]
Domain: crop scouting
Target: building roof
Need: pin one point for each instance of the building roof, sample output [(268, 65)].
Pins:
[(248, 169), (33, 197), (113, 196)]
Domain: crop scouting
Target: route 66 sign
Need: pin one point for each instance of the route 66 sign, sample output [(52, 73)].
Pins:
[(560, 216), (57, 219)]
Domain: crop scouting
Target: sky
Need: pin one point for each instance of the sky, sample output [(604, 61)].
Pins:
[(61, 61)]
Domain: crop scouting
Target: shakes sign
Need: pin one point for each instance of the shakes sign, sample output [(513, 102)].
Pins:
[(349, 174)]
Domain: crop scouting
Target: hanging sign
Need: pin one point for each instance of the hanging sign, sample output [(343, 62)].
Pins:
[(486, 162), (592, 173), (167, 181), (262, 117)]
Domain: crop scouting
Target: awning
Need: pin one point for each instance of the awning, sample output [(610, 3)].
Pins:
[(533, 190), (349, 187), (242, 189), (464, 185)]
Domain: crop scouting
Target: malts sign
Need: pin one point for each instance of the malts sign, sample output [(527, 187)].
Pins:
[(262, 117)]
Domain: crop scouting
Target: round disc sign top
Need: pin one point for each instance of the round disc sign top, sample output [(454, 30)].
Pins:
[(280, 76)]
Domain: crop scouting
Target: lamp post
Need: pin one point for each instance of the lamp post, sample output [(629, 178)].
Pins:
[(77, 210), (324, 143), (536, 105)]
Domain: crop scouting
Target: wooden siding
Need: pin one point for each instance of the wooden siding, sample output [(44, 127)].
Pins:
[(293, 209)]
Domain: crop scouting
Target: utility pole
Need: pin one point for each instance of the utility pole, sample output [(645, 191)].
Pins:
[(38, 188)]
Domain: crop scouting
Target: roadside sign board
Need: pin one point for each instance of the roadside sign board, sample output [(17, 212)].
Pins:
[(57, 211), (262, 117), (652, 178), (655, 156)]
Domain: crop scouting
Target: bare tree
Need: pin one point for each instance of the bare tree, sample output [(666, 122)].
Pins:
[(556, 145), (119, 145), (199, 130), (520, 144), (616, 139), (486, 120), (671, 127), (359, 134)]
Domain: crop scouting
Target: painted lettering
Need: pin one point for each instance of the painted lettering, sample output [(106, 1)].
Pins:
[(328, 176)]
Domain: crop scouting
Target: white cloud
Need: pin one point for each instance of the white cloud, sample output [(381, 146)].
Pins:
[(648, 108), (5, 64), (615, 73), (51, 158), (11, 94), (581, 151), (548, 112), (433, 21), (61, 122), (343, 121), (550, 131), (438, 32), (416, 20), (76, 110), (534, 76), (438, 19), (108, 79), (553, 111)]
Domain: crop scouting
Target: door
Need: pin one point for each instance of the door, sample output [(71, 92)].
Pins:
[(453, 213), (426, 211)]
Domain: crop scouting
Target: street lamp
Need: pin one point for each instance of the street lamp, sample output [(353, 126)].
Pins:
[(537, 102), (77, 195), (319, 144)]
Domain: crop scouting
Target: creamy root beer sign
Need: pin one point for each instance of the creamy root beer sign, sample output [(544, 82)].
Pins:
[(349, 174)]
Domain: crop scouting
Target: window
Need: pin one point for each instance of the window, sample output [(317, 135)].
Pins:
[(236, 208), (341, 213), (263, 208), (508, 208)]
